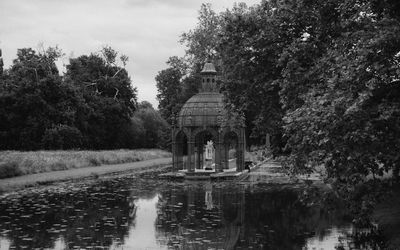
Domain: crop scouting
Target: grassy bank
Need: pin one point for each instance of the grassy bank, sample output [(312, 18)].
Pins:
[(15, 163)]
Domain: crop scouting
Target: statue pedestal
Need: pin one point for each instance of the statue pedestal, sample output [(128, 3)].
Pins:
[(208, 164)]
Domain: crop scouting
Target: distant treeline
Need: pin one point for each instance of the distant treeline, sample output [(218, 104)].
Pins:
[(92, 106)]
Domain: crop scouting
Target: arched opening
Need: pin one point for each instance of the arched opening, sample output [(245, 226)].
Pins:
[(181, 150), (205, 151), (231, 150)]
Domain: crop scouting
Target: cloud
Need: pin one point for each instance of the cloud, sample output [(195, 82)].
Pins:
[(145, 30)]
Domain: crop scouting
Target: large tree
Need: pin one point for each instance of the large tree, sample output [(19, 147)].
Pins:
[(169, 86), (34, 101), (201, 42), (91, 106), (110, 98), (156, 130), (181, 80), (250, 47)]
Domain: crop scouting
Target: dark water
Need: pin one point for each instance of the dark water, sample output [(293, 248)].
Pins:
[(137, 213)]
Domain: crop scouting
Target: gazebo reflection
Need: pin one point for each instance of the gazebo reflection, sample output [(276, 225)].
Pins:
[(208, 198), (201, 218)]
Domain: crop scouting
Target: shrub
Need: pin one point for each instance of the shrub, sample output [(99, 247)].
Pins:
[(62, 137), (9, 169), (94, 161), (58, 166)]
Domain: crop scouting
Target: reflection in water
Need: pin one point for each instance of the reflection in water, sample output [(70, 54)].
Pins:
[(188, 221), (142, 235), (81, 216), (129, 213), (4, 243), (208, 198), (330, 239)]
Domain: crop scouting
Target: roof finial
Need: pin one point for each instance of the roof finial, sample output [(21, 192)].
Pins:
[(208, 68)]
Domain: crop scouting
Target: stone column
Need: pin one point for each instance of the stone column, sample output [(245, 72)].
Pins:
[(179, 155), (196, 157), (239, 159), (174, 156), (201, 157), (241, 151), (226, 155), (268, 142), (190, 163), (218, 157)]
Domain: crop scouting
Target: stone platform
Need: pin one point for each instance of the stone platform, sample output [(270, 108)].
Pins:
[(267, 171), (203, 174)]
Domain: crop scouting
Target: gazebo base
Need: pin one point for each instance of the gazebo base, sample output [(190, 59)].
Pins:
[(202, 174)]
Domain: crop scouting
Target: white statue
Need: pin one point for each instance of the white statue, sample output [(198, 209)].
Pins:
[(209, 150)]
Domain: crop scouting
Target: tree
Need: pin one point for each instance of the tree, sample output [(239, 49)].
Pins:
[(348, 118), (62, 137), (344, 108), (153, 126), (323, 75), (250, 47), (169, 86), (34, 99), (1, 64), (202, 41), (110, 98)]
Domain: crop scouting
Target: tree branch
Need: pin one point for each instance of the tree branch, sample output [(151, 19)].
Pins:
[(116, 93), (116, 73)]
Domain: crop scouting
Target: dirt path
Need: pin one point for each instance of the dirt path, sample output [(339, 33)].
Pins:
[(30, 180)]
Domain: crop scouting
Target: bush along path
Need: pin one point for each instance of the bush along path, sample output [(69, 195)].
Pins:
[(50, 177)]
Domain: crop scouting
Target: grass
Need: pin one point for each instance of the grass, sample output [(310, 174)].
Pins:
[(15, 163)]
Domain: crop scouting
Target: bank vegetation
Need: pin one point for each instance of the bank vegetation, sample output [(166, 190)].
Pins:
[(16, 163)]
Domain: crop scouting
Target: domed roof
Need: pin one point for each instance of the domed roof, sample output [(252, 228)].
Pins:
[(202, 109)]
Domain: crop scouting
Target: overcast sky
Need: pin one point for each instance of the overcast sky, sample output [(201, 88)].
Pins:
[(147, 31)]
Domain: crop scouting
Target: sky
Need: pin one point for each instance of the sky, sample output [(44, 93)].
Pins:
[(147, 31)]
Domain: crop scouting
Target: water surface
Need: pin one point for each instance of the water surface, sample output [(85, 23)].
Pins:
[(139, 213)]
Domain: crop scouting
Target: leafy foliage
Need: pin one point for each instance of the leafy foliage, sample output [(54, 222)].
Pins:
[(202, 41), (349, 118), (153, 127), (92, 106), (322, 77), (61, 137), (169, 87), (250, 49), (180, 80)]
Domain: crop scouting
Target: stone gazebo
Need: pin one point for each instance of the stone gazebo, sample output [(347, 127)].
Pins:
[(204, 122)]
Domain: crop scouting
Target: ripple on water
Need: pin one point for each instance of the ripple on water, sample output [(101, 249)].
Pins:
[(131, 212)]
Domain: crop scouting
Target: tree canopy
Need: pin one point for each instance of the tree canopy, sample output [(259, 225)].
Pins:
[(92, 106), (321, 77)]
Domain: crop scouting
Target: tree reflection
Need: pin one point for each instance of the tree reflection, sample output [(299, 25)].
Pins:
[(87, 216)]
